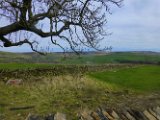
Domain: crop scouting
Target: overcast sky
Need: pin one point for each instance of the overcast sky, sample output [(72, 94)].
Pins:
[(135, 27)]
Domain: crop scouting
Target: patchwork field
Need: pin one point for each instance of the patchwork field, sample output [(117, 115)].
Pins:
[(49, 88)]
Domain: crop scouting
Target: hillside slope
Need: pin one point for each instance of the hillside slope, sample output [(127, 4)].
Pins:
[(87, 58)]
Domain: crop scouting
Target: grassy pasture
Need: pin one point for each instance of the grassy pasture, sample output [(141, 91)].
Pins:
[(67, 94), (121, 57), (72, 93), (142, 78), (23, 66), (89, 82)]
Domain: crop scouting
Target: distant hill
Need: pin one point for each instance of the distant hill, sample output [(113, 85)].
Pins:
[(86, 58)]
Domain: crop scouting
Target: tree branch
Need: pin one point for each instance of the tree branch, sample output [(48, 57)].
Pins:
[(64, 16), (8, 43)]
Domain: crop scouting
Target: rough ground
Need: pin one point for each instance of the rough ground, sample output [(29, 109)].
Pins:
[(73, 97), (119, 106)]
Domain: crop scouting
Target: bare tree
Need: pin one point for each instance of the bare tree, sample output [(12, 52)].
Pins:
[(78, 22)]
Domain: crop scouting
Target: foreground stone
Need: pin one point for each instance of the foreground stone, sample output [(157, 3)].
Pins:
[(106, 114), (33, 117), (14, 82), (60, 116), (125, 114), (57, 116)]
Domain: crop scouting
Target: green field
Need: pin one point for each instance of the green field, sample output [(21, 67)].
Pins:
[(141, 78), (53, 84), (121, 57), (70, 93)]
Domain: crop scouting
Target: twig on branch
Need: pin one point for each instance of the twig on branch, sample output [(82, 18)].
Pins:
[(78, 22)]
